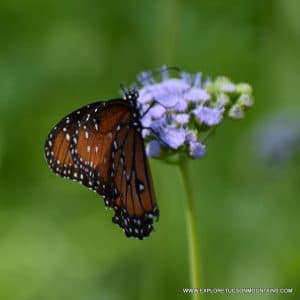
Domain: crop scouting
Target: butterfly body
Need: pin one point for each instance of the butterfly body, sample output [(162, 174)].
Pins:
[(100, 145)]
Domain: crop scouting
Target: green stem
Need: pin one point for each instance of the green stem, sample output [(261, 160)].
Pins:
[(191, 230)]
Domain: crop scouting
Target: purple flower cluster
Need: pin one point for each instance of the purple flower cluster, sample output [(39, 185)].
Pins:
[(176, 109), (170, 104)]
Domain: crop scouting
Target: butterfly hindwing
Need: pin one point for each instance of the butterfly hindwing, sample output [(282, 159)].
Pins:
[(132, 178)]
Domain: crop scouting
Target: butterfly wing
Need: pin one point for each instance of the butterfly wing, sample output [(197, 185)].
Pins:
[(136, 202), (93, 145), (58, 143), (79, 146)]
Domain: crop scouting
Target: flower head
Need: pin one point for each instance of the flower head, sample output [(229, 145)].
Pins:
[(177, 111)]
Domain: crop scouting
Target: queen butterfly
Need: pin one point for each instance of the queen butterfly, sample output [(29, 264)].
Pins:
[(100, 145)]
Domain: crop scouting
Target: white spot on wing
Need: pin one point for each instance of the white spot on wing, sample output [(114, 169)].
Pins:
[(141, 187)]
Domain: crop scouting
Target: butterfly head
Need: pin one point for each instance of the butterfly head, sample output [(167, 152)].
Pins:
[(131, 96)]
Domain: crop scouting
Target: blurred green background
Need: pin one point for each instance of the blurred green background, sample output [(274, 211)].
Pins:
[(56, 239)]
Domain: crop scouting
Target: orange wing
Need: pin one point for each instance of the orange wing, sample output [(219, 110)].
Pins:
[(57, 145), (100, 146), (136, 202), (79, 146)]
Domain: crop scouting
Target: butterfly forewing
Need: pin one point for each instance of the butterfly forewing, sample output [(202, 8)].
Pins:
[(58, 142)]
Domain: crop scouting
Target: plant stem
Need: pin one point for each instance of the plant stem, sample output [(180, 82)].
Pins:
[(192, 233)]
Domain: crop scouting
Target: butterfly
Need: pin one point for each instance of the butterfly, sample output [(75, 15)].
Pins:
[(101, 146)]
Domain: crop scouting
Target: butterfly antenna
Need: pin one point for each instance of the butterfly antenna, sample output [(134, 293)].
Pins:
[(124, 88)]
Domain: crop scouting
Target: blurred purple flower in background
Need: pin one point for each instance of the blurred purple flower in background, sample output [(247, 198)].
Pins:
[(178, 111), (278, 139)]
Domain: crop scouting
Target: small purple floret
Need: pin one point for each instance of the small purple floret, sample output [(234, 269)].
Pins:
[(209, 116), (172, 137), (182, 118), (197, 149), (153, 148), (157, 111), (196, 94)]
